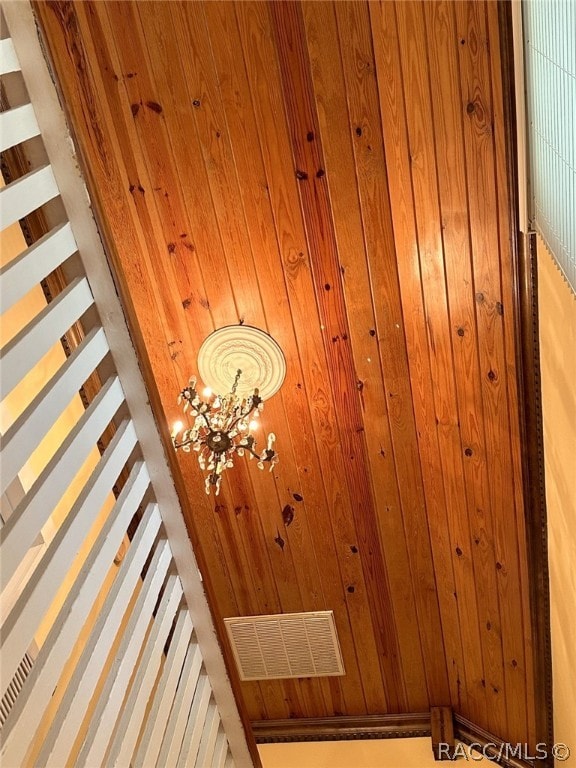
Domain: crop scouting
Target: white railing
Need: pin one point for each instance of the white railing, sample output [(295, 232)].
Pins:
[(107, 650)]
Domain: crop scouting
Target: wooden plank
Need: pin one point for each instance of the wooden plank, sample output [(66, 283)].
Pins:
[(252, 528), (102, 723), (234, 175), (8, 59), (21, 197), (520, 704), (308, 156), (436, 301), (394, 117), (19, 627), (25, 271), (499, 33), (159, 713), (309, 399), (17, 125), (479, 140), (191, 686), (356, 174), (19, 730), (22, 352), (238, 126), (25, 434), (64, 729), (133, 712), (20, 531), (442, 726)]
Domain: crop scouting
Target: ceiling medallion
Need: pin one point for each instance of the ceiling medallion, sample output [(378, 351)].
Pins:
[(248, 365)]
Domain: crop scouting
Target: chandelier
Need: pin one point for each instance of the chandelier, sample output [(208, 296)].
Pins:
[(221, 426)]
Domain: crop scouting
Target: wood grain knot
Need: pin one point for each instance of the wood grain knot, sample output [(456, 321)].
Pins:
[(468, 452), (154, 106), (288, 514)]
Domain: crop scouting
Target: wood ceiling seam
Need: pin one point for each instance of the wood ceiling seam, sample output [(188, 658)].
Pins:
[(466, 590), (504, 179), (244, 531), (294, 65), (441, 41), (135, 132), (422, 560), (209, 119), (297, 532), (328, 332), (436, 329), (383, 18), (345, 198), (479, 143), (250, 16), (412, 68)]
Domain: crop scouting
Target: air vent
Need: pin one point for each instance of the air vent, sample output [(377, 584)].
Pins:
[(286, 645), (14, 687)]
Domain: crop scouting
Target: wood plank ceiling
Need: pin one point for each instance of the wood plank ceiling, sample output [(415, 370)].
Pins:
[(334, 173)]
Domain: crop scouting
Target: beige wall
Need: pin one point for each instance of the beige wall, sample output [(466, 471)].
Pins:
[(373, 753), (558, 365)]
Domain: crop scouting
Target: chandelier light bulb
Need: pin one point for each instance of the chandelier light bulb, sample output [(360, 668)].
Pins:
[(177, 427), (254, 424), (207, 392)]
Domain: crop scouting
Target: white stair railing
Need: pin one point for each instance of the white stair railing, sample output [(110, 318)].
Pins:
[(127, 669)]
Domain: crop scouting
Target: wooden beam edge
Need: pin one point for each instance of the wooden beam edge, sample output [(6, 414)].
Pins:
[(342, 728), (530, 403)]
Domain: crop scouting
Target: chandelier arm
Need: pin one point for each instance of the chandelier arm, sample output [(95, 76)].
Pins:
[(188, 441), (242, 416)]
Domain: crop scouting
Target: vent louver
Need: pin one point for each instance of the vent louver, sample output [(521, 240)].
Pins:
[(285, 645), (14, 687)]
